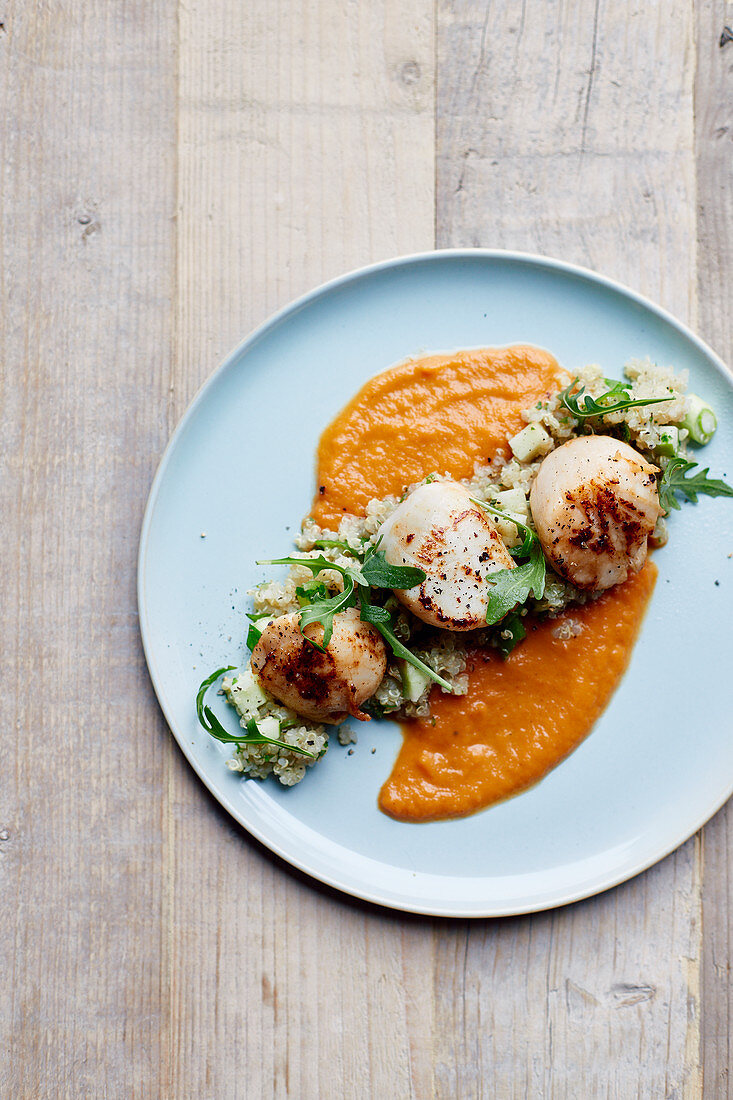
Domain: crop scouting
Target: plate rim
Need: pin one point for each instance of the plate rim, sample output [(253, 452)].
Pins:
[(369, 894)]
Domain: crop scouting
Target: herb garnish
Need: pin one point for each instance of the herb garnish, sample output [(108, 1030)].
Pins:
[(213, 726), (378, 573), (381, 619), (615, 399), (203, 688), (310, 592), (338, 544), (510, 587), (678, 479), (322, 609), (375, 572), (254, 633)]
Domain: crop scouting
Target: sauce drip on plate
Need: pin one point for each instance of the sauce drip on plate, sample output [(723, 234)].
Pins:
[(521, 716), (440, 413)]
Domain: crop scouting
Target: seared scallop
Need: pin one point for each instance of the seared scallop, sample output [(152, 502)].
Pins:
[(325, 686), (439, 529), (594, 503)]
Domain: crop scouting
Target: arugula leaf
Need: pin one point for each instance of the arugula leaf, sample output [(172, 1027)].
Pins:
[(586, 406), (528, 535), (254, 633), (381, 618), (509, 587), (316, 565), (377, 572), (311, 592), (323, 611), (204, 687), (515, 627), (216, 729), (342, 545), (213, 726), (614, 386), (254, 737), (678, 479)]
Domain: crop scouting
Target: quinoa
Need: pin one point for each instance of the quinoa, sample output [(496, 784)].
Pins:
[(257, 761), (648, 380)]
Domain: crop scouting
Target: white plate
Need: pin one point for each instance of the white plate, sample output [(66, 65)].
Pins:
[(240, 469)]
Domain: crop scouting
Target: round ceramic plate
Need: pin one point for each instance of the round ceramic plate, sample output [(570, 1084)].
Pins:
[(239, 470)]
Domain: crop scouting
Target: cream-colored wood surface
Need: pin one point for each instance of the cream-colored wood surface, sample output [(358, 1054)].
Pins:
[(172, 172)]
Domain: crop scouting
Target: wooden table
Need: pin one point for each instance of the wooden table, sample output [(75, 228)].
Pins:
[(172, 173)]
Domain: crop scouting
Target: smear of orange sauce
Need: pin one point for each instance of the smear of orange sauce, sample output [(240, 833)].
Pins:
[(520, 717), (441, 413)]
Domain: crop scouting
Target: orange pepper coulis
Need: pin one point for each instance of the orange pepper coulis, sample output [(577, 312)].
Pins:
[(521, 716)]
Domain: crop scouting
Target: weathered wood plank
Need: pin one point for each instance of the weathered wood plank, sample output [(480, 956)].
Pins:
[(306, 148), (567, 129), (714, 134), (87, 265), (132, 967)]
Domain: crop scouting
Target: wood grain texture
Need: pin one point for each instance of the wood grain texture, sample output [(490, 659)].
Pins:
[(714, 138), (306, 148), (88, 142), (171, 174), (567, 129)]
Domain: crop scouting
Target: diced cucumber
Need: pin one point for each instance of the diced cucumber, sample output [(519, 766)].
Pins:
[(246, 694), (510, 533), (669, 441), (414, 680), (700, 420), (269, 727), (512, 500), (530, 443)]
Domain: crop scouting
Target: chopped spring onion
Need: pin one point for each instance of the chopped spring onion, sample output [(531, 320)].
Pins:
[(700, 420)]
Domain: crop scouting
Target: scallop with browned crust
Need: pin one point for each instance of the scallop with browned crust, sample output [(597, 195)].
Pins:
[(594, 503), (324, 686), (440, 530)]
